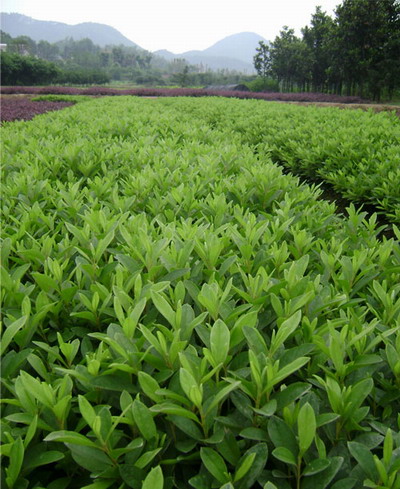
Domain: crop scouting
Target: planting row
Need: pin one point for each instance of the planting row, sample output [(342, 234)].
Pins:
[(357, 152), (184, 92), (179, 313)]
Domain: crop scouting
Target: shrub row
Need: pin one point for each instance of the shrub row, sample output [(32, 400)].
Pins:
[(357, 152), (184, 92)]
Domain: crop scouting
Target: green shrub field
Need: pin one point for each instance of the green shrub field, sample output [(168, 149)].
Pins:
[(180, 313), (357, 152)]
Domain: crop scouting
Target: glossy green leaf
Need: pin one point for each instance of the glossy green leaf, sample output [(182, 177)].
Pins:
[(215, 464), (144, 420), (154, 479), (70, 437), (306, 426), (219, 341), (284, 455)]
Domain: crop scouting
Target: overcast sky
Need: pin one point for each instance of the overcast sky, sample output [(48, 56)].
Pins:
[(177, 25)]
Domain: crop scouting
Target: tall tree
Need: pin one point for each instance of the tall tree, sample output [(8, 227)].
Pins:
[(368, 38), (319, 38), (262, 60), (290, 60)]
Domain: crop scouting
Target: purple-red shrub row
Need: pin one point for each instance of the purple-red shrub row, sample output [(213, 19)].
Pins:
[(24, 109), (185, 92)]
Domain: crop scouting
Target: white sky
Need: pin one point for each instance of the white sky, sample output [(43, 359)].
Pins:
[(177, 25)]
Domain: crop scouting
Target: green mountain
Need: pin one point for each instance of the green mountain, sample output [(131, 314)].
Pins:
[(21, 25)]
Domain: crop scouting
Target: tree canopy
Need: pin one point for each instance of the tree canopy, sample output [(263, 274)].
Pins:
[(355, 53)]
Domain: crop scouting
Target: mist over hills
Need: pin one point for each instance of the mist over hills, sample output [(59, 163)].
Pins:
[(44, 30), (234, 52)]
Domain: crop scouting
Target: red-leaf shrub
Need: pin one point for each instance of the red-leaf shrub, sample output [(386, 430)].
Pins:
[(185, 92), (24, 109)]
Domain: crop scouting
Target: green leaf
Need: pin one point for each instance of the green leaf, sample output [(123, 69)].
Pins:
[(187, 426), (144, 420), (103, 484), (284, 455), (16, 459), (188, 384), (45, 282), (229, 448), (43, 458), (222, 394), (10, 332), (131, 475), (200, 481), (215, 464), (258, 465), (255, 340), (149, 386), (147, 457), (268, 409), (346, 483), (323, 479), (285, 330), (87, 411), (70, 437), (316, 466), (288, 370), (102, 245), (31, 431), (92, 459), (365, 458), (388, 447), (359, 392), (170, 408), (306, 426), (291, 393), (245, 466), (154, 479), (326, 418), (254, 434), (282, 435), (164, 308), (219, 341)]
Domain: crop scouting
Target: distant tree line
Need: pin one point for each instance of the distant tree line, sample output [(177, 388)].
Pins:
[(355, 53), (18, 69), (83, 62)]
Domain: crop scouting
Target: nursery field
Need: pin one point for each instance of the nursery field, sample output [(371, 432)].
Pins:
[(179, 312)]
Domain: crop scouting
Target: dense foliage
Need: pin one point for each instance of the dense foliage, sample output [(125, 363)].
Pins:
[(357, 52), (358, 152), (26, 70), (80, 61), (180, 313), (17, 69)]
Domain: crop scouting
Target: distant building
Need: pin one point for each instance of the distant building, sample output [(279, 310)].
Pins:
[(236, 87), (3, 47)]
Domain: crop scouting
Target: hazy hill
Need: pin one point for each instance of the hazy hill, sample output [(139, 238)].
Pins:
[(21, 25), (234, 52)]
